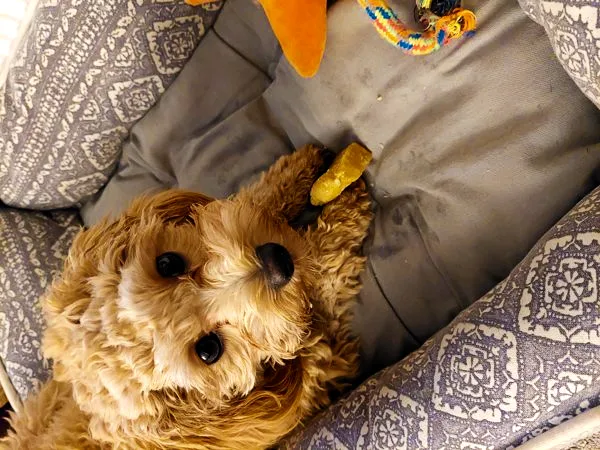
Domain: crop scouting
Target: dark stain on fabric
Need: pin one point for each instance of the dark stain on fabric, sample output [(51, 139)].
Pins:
[(397, 217), (365, 76), (440, 207), (385, 251), (408, 207), (346, 99), (402, 223)]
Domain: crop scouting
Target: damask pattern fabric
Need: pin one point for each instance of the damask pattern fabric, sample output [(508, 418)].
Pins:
[(573, 27), (33, 246), (85, 74), (519, 361)]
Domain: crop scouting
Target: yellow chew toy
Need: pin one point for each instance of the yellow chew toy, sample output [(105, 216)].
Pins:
[(347, 167)]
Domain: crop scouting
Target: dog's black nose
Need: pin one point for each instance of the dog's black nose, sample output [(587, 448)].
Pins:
[(276, 263)]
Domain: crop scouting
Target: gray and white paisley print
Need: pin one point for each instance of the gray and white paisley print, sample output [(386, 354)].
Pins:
[(573, 27), (86, 73), (33, 246)]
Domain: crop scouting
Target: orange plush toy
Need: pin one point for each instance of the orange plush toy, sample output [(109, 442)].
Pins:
[(301, 28)]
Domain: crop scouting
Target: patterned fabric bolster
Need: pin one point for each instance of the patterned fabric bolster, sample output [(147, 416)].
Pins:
[(573, 27), (521, 360), (84, 75), (33, 246), (15, 16)]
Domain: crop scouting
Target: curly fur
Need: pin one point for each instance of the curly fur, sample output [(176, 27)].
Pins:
[(122, 338)]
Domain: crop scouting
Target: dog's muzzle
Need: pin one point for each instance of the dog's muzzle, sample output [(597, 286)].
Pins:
[(276, 263)]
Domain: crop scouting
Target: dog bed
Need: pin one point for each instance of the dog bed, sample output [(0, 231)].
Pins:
[(473, 159)]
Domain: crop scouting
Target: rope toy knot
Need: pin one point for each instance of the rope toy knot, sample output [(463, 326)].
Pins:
[(438, 30), (459, 22)]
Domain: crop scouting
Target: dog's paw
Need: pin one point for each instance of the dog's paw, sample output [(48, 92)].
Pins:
[(338, 234), (320, 159), (284, 189), (303, 167), (352, 208), (355, 197)]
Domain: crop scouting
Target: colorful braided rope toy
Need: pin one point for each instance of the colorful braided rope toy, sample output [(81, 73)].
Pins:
[(439, 31), (301, 27)]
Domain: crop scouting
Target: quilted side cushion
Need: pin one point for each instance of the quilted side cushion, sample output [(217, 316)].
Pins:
[(33, 246), (85, 74), (519, 361), (573, 27), (15, 16)]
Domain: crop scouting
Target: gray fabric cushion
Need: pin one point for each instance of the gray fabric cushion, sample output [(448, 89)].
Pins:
[(474, 160), (521, 360), (85, 74), (33, 246)]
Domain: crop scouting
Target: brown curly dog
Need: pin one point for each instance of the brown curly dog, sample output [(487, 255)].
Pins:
[(195, 323)]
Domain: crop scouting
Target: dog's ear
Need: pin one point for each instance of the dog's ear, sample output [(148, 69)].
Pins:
[(107, 241), (70, 295), (173, 205)]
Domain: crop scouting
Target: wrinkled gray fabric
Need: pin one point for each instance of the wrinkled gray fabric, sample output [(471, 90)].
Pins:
[(478, 149)]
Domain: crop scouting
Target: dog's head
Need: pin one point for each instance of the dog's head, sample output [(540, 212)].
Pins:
[(181, 304)]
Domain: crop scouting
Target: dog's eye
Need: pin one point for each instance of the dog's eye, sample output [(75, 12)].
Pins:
[(209, 348), (169, 265)]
